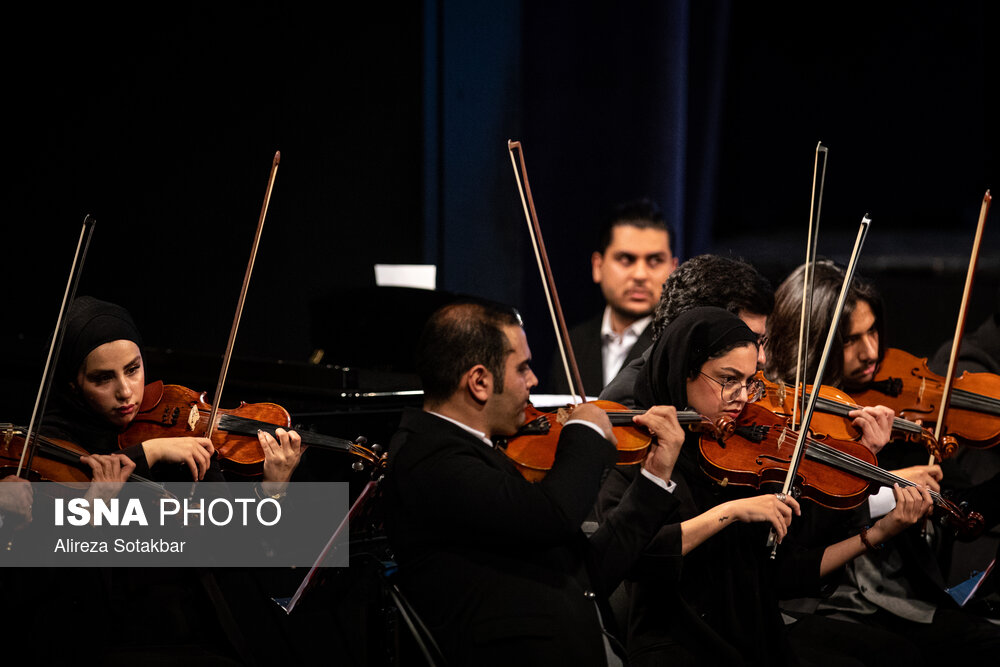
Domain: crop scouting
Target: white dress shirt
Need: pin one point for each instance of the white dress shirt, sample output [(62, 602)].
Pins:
[(615, 347)]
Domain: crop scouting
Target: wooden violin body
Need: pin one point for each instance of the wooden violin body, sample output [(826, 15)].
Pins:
[(54, 461), (170, 411), (756, 449), (831, 415), (533, 448), (908, 386)]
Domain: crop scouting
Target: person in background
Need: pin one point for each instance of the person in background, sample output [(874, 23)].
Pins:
[(705, 280), (636, 253)]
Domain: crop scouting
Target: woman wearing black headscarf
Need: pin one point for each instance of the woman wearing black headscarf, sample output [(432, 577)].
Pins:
[(706, 590), (162, 614), (99, 386)]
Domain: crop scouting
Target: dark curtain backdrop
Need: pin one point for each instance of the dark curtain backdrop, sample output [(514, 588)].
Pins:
[(621, 101), (392, 120), (714, 109)]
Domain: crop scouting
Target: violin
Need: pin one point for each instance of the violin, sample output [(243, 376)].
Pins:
[(533, 447), (55, 460), (831, 416), (169, 411), (756, 449), (908, 386)]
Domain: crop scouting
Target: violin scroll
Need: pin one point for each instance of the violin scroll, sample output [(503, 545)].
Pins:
[(373, 457), (965, 524), (947, 448)]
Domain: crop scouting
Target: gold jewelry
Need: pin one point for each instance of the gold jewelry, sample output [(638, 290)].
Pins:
[(258, 491)]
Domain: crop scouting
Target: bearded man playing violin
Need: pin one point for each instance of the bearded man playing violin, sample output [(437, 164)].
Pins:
[(899, 587), (497, 567)]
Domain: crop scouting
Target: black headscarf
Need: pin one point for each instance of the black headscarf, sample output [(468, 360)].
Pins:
[(90, 323), (687, 343)]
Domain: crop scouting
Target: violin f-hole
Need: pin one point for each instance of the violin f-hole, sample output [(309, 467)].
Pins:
[(762, 457)]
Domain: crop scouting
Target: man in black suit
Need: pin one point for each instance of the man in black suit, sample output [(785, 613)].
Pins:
[(497, 567), (634, 257)]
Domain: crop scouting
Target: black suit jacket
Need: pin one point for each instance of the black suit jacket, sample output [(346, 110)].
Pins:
[(586, 341), (498, 567)]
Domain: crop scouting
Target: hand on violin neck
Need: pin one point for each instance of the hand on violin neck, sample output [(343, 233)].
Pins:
[(661, 422), (282, 452), (109, 472), (912, 505), (589, 412), (16, 496), (925, 476), (196, 453), (875, 424)]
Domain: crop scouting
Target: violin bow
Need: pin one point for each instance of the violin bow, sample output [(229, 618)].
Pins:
[(815, 205), (797, 453), (217, 397), (548, 283), (960, 326), (42, 398)]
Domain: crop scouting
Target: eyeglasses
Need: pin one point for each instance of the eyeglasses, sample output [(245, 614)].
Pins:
[(731, 389), (761, 340)]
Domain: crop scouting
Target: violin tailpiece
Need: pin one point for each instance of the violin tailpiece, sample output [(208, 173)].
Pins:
[(890, 386)]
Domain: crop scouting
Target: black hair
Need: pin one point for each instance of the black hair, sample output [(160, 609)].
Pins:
[(458, 337), (642, 213), (713, 280), (783, 325)]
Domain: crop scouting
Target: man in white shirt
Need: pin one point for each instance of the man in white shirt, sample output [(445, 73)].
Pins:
[(635, 256)]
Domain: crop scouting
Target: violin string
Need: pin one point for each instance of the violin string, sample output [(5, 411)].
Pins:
[(834, 457), (842, 410), (876, 473), (961, 398), (70, 457), (234, 424)]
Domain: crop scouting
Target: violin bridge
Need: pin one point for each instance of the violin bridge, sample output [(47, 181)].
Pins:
[(782, 395), (781, 438), (920, 392), (193, 416), (563, 415)]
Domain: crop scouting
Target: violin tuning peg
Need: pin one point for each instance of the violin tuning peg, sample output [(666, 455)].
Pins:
[(377, 448), (361, 440), (357, 466)]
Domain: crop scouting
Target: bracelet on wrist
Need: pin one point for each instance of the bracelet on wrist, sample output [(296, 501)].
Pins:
[(258, 490), (868, 545)]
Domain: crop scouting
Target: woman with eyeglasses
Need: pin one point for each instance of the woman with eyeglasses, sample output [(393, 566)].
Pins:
[(706, 590)]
